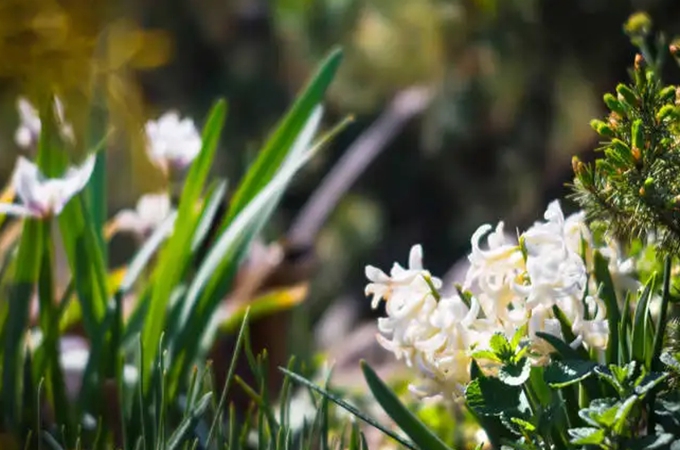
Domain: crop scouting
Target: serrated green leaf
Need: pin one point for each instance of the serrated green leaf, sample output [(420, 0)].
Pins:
[(515, 374), (587, 436), (501, 347), (492, 397), (602, 412), (563, 373)]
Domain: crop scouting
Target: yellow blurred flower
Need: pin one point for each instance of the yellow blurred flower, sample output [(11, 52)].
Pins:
[(80, 50)]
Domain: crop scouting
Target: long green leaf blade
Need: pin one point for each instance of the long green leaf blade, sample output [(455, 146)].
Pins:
[(407, 421)]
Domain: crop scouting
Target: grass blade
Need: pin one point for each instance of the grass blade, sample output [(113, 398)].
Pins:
[(278, 145), (351, 409), (26, 274), (639, 343)]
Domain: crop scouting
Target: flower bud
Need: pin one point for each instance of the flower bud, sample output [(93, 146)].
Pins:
[(626, 95), (636, 153), (667, 94), (667, 112), (674, 48), (638, 24), (639, 62), (577, 165), (619, 152), (637, 134), (614, 104), (601, 128)]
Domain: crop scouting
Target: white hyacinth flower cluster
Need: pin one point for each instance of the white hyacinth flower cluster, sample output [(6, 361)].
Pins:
[(516, 283)]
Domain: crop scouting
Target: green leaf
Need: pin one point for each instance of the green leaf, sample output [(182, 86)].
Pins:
[(230, 375), (587, 436), (195, 322), (563, 373), (279, 144), (640, 344), (25, 276), (649, 382), (657, 347), (671, 361), (143, 256), (175, 257), (622, 413), (566, 328), (562, 348), (187, 425), (651, 442), (608, 295), (602, 412), (402, 416), (492, 397), (515, 374), (499, 344), (486, 354)]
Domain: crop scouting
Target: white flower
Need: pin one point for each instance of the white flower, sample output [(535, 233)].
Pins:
[(45, 197), (620, 268), (400, 280), (554, 270), (151, 211), (172, 142), (430, 334), (595, 331), (542, 320), (28, 132), (492, 268), (494, 271)]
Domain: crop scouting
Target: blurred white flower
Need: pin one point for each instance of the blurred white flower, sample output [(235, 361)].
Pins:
[(28, 131), (43, 197), (595, 331), (542, 320), (171, 142), (73, 356), (620, 268), (151, 210)]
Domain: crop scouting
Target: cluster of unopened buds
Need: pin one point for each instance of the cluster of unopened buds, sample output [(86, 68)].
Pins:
[(511, 285)]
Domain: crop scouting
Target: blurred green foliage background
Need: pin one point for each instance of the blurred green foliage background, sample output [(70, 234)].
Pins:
[(515, 84)]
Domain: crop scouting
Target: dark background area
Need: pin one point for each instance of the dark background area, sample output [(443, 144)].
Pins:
[(515, 84)]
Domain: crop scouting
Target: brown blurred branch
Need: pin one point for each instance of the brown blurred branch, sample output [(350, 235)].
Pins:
[(405, 105)]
